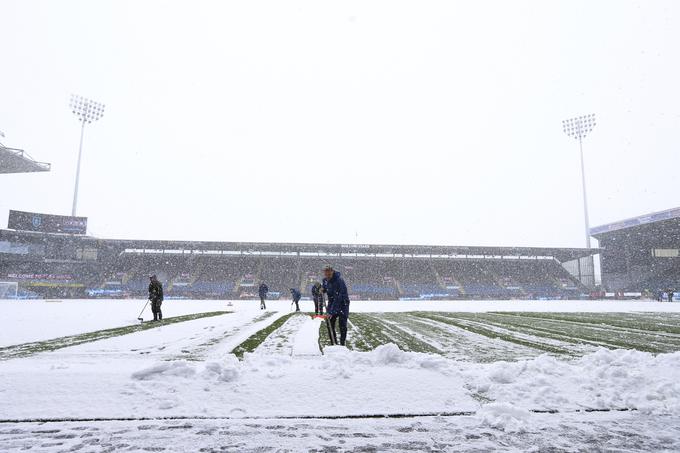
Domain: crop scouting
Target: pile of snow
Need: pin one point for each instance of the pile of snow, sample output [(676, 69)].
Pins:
[(387, 355), (164, 370), (226, 371), (504, 416), (619, 379), (605, 379)]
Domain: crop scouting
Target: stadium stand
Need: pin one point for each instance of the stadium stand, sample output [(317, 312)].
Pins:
[(641, 254), (59, 265), (13, 160)]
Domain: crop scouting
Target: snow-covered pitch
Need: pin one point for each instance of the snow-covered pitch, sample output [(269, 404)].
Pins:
[(416, 376)]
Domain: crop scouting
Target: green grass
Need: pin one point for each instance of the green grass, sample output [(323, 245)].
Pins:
[(487, 337), (644, 336), (374, 330), (666, 323), (480, 337), (493, 334), (366, 331), (27, 349), (257, 338), (198, 353)]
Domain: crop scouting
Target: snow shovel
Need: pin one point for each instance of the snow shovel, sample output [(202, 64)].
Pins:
[(331, 337), (139, 318)]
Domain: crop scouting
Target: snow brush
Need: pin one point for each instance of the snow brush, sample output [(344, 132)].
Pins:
[(139, 318)]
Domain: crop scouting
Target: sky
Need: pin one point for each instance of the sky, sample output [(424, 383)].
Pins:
[(404, 122)]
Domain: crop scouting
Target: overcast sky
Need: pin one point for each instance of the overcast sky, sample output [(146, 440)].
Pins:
[(370, 121)]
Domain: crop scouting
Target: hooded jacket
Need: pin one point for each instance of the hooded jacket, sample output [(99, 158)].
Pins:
[(155, 291), (338, 299), (317, 292)]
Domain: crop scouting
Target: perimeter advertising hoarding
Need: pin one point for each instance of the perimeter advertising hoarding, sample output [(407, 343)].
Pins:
[(46, 223)]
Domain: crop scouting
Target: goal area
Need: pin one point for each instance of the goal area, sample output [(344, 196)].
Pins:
[(9, 290)]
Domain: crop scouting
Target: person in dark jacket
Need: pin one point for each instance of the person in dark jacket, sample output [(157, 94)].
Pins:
[(263, 290), (156, 298), (296, 298), (659, 296), (670, 293), (338, 301), (317, 296)]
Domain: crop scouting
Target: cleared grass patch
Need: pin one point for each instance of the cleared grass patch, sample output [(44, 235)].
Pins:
[(199, 352), (595, 334), (366, 331), (479, 329), (258, 337), (27, 349), (493, 336)]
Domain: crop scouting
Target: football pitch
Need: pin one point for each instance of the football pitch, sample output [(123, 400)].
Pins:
[(415, 376)]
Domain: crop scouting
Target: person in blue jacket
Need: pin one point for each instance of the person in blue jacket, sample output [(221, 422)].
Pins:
[(338, 301), (296, 298)]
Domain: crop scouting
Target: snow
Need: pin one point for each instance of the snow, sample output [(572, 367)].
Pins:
[(24, 321), (280, 385), (185, 370), (306, 341), (481, 306), (621, 432), (504, 416), (605, 379), (32, 320), (164, 370)]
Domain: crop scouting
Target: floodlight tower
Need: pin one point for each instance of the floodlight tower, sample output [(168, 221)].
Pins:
[(87, 111), (578, 128)]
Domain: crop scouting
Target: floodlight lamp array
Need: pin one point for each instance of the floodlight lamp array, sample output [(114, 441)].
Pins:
[(580, 126), (86, 110)]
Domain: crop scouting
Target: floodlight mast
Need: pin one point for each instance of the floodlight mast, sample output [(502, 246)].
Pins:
[(578, 128), (87, 111)]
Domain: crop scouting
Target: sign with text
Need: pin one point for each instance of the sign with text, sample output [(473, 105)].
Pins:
[(46, 223)]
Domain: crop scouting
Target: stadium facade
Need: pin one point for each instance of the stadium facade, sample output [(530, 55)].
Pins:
[(67, 265), (642, 253)]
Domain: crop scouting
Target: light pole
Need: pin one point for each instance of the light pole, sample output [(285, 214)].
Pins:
[(578, 128), (87, 111)]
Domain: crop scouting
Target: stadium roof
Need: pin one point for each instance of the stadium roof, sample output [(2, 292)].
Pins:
[(310, 249), (17, 161), (646, 219)]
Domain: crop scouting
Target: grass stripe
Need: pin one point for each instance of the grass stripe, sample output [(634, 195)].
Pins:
[(28, 349), (255, 340), (489, 333)]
